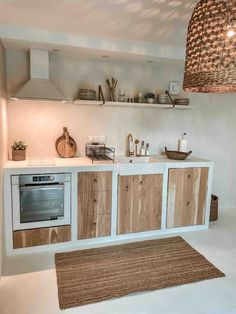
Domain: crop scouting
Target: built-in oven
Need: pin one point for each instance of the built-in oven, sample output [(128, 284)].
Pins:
[(41, 200)]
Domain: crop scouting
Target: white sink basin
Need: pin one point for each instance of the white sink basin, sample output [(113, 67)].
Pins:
[(134, 160)]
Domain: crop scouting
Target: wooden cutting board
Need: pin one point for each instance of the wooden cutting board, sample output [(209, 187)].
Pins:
[(65, 145)]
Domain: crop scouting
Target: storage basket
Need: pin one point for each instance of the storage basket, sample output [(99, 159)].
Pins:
[(176, 155)]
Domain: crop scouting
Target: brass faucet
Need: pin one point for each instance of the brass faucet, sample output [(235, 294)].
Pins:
[(129, 140)]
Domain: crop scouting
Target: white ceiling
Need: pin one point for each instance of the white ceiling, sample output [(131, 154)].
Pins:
[(155, 21)]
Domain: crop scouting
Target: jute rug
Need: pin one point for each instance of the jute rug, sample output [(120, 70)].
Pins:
[(94, 275)]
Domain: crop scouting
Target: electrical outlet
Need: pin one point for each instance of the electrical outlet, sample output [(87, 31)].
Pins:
[(101, 139), (91, 139), (96, 139)]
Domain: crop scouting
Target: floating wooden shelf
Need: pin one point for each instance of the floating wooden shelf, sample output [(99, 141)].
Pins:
[(128, 104)]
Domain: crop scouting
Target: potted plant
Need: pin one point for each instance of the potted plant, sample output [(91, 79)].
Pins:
[(150, 98), (18, 151)]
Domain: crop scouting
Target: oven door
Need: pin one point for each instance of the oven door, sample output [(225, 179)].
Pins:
[(41, 203), (40, 206)]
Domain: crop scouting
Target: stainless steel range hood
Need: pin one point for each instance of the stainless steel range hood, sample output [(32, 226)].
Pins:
[(39, 87)]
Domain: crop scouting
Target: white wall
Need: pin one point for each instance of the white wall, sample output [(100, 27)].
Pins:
[(3, 137), (211, 125)]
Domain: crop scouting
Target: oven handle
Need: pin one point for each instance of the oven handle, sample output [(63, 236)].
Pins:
[(42, 187)]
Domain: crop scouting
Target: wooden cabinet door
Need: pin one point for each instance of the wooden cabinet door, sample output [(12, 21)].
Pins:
[(41, 236), (94, 204), (95, 181), (94, 214), (94, 226), (139, 203), (187, 193)]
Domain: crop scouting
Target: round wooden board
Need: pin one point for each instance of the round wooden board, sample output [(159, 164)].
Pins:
[(66, 148)]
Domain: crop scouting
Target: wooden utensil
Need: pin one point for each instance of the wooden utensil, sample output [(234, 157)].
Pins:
[(100, 94), (172, 102), (65, 145), (111, 88)]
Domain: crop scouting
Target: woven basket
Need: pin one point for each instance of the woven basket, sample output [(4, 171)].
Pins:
[(214, 208), (210, 57), (176, 155)]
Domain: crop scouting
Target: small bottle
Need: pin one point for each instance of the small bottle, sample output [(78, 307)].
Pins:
[(147, 153), (140, 97), (122, 95), (183, 143), (142, 149)]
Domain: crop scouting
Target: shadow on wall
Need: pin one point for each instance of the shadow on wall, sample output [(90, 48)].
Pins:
[(146, 20)]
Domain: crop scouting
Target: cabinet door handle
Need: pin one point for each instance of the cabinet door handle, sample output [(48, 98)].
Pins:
[(188, 203), (95, 180), (95, 201), (141, 182), (189, 176), (94, 224), (127, 188)]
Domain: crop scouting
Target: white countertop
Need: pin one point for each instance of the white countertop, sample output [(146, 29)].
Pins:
[(85, 161), (191, 158), (49, 162)]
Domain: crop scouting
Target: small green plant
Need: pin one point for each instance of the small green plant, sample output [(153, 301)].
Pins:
[(18, 145)]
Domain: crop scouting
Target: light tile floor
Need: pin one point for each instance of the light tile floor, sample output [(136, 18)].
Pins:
[(36, 292)]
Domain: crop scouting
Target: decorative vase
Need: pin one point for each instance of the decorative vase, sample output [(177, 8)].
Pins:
[(18, 155)]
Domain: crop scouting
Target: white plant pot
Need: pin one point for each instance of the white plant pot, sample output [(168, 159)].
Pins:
[(150, 100)]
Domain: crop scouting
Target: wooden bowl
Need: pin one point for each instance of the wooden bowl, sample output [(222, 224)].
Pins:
[(176, 155)]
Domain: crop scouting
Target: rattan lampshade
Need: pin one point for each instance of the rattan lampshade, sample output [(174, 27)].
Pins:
[(211, 48)]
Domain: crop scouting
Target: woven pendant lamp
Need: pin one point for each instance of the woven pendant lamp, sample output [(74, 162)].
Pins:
[(211, 48)]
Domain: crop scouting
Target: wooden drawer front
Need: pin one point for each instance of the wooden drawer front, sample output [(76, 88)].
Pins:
[(90, 226), (94, 203), (187, 193), (94, 181), (139, 203), (94, 214), (41, 236)]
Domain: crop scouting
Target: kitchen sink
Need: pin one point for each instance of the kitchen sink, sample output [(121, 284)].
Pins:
[(135, 160)]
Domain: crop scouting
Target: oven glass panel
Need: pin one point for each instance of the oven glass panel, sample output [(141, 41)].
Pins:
[(41, 203)]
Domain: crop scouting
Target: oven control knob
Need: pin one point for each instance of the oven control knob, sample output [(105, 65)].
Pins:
[(51, 178)]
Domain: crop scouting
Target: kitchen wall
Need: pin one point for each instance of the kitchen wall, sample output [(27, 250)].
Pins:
[(211, 125), (3, 137)]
